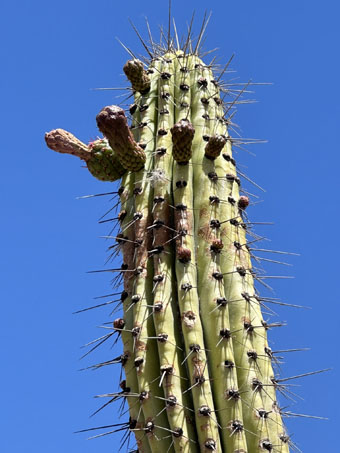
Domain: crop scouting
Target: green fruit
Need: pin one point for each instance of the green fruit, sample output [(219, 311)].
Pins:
[(104, 163)]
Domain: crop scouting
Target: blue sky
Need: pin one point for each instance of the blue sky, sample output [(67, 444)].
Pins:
[(53, 55)]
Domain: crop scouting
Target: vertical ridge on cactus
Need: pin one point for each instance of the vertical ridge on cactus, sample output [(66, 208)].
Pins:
[(198, 368), (145, 347), (211, 251)]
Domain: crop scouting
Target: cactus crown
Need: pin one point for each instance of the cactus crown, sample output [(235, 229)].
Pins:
[(198, 369)]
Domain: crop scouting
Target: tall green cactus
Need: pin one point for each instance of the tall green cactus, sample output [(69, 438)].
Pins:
[(199, 375)]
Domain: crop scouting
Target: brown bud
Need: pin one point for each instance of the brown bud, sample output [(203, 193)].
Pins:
[(135, 72), (243, 202), (183, 254), (119, 323), (182, 135), (216, 245), (214, 146), (112, 122)]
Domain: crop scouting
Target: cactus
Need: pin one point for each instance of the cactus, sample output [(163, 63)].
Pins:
[(198, 369)]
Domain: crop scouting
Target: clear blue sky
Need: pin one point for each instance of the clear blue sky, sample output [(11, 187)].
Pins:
[(52, 55)]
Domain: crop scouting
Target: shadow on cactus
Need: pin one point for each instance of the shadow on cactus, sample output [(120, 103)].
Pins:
[(199, 374)]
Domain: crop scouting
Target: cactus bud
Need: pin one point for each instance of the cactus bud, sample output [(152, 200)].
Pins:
[(182, 135), (112, 122), (135, 72), (102, 162)]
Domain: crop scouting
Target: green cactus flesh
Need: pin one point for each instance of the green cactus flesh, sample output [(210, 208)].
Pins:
[(104, 163), (198, 367)]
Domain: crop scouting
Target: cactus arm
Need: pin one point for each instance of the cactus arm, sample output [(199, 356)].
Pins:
[(173, 373), (213, 301), (145, 348), (195, 352), (64, 142), (102, 161), (112, 122)]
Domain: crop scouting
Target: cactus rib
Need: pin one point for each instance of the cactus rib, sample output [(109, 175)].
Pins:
[(214, 305)]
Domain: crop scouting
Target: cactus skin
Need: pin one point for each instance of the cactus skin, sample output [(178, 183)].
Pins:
[(199, 375)]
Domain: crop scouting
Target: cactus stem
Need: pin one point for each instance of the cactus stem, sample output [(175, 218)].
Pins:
[(101, 161), (200, 376)]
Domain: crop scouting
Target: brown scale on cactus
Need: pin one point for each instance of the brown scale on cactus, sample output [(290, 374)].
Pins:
[(199, 371)]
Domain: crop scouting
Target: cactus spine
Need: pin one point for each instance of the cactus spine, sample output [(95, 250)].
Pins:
[(198, 368)]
